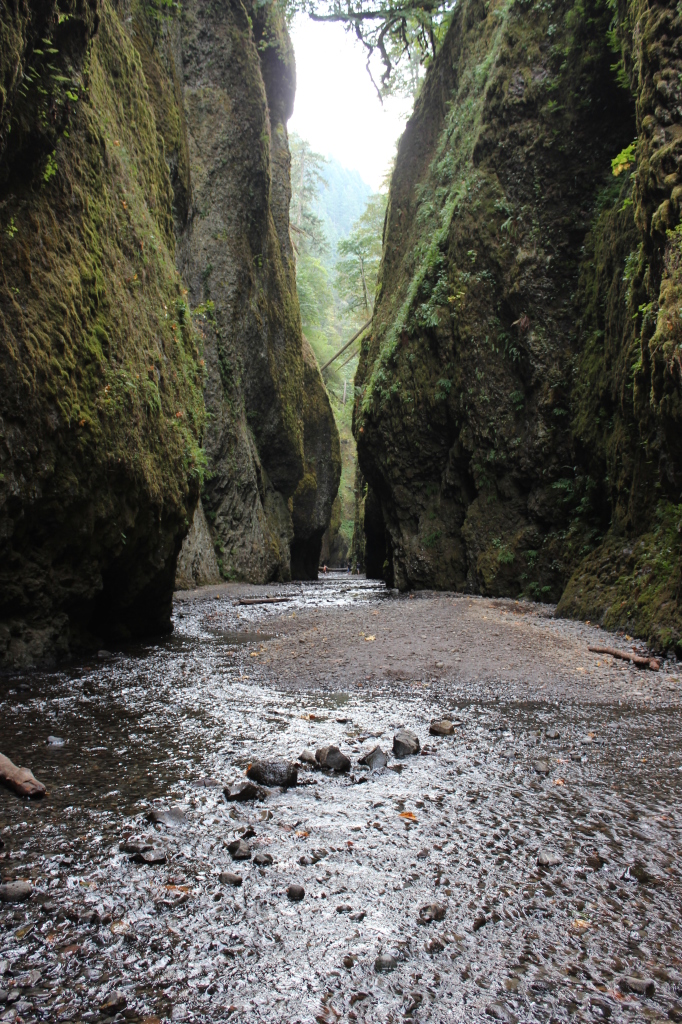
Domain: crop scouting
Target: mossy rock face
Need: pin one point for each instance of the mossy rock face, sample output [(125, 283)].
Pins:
[(101, 406), (521, 398), (271, 442)]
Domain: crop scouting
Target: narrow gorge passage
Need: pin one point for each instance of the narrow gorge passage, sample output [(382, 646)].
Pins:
[(523, 868)]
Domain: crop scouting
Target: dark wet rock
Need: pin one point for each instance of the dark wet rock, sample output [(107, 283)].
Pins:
[(169, 816), (229, 878), (375, 758), (262, 859), (30, 979), (600, 1007), (423, 854), (243, 791), (332, 759), (349, 961), (239, 850), (135, 844), (157, 855), (405, 743), (384, 963), (357, 915), (642, 986), (541, 766), (114, 1003), (15, 892), (432, 912), (595, 860), (273, 773), (644, 874), (307, 757), (207, 783), (479, 922), (344, 908), (295, 893), (434, 945), (443, 728), (248, 833), (498, 1011), (549, 859), (55, 741), (306, 860)]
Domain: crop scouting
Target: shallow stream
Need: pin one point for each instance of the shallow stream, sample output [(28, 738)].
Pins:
[(460, 825)]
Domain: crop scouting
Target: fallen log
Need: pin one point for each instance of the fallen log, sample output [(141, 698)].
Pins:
[(21, 780), (262, 600), (637, 659)]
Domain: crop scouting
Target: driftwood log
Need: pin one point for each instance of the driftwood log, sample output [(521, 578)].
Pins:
[(637, 659), (262, 600), (21, 780)]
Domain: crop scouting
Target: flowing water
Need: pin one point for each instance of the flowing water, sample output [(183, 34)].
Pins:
[(460, 825)]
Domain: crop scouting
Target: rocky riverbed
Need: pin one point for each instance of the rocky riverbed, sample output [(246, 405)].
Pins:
[(524, 867)]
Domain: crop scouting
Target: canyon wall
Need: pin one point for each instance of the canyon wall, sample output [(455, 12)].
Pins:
[(519, 420), (146, 278)]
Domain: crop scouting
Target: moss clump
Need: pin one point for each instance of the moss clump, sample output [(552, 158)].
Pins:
[(634, 583), (102, 409)]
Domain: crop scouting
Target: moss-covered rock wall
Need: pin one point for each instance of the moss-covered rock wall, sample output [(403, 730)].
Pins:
[(146, 272), (101, 410), (519, 422), (270, 434)]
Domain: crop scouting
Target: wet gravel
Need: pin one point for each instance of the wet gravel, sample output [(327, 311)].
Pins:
[(525, 867)]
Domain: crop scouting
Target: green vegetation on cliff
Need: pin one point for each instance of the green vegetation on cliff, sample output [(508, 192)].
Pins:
[(519, 395), (101, 405)]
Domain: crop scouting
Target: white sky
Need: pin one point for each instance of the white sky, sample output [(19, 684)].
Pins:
[(337, 109)]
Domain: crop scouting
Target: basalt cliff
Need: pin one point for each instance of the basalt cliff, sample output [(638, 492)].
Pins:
[(147, 280), (518, 417)]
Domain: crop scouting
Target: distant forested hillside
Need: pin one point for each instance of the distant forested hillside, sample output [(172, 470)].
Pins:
[(341, 203)]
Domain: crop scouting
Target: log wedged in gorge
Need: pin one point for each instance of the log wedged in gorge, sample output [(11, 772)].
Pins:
[(21, 780)]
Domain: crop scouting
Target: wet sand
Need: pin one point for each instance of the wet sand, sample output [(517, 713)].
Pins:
[(557, 754)]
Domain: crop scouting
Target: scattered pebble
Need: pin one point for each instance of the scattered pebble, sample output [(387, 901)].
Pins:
[(242, 791), (549, 859), (443, 728), (229, 878), (332, 758), (374, 759), (405, 743), (15, 892), (295, 893), (384, 963), (239, 850), (642, 986), (273, 773)]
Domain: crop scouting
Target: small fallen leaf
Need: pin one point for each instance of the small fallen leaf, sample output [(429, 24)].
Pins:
[(370, 638), (408, 815), (558, 782), (254, 654), (302, 834)]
